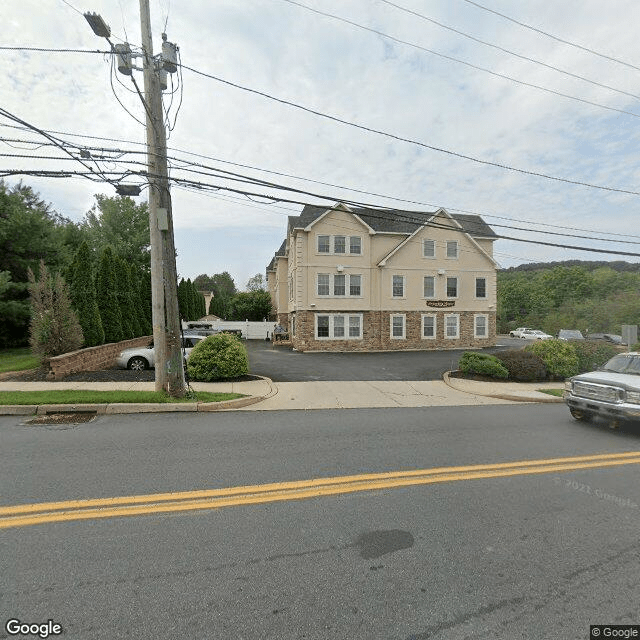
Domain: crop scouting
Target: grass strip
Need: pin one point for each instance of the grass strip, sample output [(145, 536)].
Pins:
[(107, 397), (552, 392), (17, 360)]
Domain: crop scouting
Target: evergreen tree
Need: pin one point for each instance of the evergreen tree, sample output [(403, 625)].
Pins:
[(108, 297), (145, 296), (182, 300), (130, 327), (138, 303), (54, 327), (83, 297)]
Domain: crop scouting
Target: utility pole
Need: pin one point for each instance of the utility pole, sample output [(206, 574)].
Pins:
[(166, 340), (164, 285)]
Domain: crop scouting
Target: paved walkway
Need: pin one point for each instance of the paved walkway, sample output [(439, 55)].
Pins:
[(265, 395)]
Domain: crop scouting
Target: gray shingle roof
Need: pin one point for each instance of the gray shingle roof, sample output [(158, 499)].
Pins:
[(397, 221)]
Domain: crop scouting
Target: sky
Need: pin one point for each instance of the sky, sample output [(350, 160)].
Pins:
[(465, 129)]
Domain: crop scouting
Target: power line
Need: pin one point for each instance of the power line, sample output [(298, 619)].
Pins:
[(49, 50), (333, 197), (512, 53), (558, 39), (451, 58), (407, 140)]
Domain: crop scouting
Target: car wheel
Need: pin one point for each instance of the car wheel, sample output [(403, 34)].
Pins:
[(137, 364), (581, 416)]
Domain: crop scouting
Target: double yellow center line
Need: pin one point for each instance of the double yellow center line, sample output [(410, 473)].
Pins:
[(30, 514)]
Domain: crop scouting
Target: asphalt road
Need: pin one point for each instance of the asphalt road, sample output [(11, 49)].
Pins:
[(525, 556)]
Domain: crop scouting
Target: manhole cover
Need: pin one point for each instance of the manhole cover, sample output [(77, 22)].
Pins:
[(63, 418)]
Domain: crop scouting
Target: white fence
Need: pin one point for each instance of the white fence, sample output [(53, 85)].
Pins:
[(250, 330)]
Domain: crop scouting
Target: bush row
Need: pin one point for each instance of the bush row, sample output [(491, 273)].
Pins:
[(542, 360)]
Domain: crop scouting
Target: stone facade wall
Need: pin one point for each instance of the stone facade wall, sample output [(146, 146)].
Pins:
[(376, 332), (91, 358)]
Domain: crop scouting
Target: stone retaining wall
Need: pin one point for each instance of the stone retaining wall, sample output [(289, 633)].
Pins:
[(91, 358)]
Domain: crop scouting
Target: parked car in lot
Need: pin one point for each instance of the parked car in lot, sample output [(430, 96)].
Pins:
[(517, 333), (612, 392), (608, 337), (534, 334), (141, 358), (570, 334)]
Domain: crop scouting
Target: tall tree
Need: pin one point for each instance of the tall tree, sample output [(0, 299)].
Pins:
[(122, 224), (130, 327), (108, 297), (54, 327), (83, 297), (256, 283), (251, 305)]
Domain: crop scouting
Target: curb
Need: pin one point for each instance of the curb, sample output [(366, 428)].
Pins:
[(534, 396), (123, 407)]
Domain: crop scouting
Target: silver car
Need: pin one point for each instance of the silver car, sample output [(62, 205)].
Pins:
[(612, 392), (141, 358)]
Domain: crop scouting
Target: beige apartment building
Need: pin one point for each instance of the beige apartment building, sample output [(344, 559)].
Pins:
[(351, 279)]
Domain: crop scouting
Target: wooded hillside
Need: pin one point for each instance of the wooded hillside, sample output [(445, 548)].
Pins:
[(589, 296)]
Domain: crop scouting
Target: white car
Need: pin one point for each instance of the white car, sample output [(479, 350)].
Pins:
[(534, 334), (141, 358), (517, 333)]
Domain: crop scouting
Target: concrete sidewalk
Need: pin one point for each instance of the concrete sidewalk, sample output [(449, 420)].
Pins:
[(265, 395)]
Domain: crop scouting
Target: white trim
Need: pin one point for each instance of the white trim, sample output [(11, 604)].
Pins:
[(435, 246), (404, 286), (346, 325), (486, 325), (457, 317), (446, 285), (434, 287), (332, 245), (475, 288), (404, 326), (347, 285), (338, 207), (446, 249), (435, 326)]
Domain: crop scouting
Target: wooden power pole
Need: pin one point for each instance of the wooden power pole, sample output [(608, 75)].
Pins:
[(165, 313)]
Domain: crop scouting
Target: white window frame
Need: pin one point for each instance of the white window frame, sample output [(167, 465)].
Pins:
[(355, 295), (323, 295), (424, 244), (433, 295), (403, 317), (332, 245), (435, 326), (484, 297), (457, 287), (344, 285), (476, 317), (346, 325), (404, 286), (446, 326), (454, 243), (323, 235)]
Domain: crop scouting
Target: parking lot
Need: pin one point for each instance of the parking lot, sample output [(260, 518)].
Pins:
[(282, 364)]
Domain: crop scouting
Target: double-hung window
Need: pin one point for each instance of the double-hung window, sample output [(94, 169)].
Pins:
[(398, 287), (339, 285), (429, 287), (429, 248), (323, 284), (452, 249), (398, 326), (323, 244), (355, 245), (452, 326), (339, 244), (339, 326), (452, 287), (355, 285), (481, 287), (480, 329), (428, 326)]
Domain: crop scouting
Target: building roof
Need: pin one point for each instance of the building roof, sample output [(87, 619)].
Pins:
[(396, 221), (279, 253)]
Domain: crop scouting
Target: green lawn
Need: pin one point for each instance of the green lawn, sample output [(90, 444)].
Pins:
[(552, 392), (105, 397), (17, 360)]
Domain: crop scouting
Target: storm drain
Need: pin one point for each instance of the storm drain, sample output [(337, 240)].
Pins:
[(64, 418)]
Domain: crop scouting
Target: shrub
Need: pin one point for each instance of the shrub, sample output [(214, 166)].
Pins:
[(593, 354), (559, 357), (523, 366), (635, 347), (218, 357), (482, 364)]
